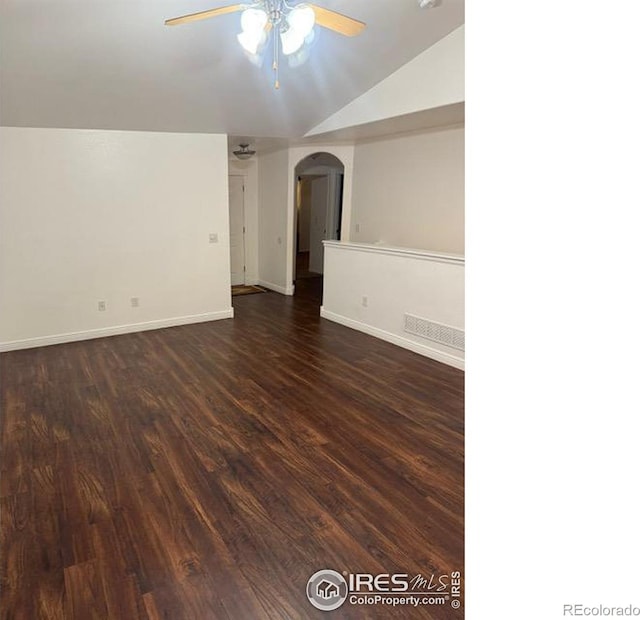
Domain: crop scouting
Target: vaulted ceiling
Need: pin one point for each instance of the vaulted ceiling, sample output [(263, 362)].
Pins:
[(113, 64)]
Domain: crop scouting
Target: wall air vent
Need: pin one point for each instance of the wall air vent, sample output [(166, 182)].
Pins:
[(437, 332)]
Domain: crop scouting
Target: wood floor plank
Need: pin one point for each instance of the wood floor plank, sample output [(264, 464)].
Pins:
[(206, 471), (84, 594)]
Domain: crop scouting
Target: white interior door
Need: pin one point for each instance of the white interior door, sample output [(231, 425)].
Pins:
[(319, 197), (236, 228)]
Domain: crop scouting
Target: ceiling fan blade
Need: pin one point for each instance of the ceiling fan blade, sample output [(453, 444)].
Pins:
[(337, 22), (232, 8)]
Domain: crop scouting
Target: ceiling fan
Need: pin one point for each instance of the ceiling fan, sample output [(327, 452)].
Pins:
[(292, 25)]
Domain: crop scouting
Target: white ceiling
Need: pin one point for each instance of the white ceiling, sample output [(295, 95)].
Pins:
[(112, 64)]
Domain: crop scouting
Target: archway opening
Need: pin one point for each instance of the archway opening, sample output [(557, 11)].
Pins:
[(318, 212)]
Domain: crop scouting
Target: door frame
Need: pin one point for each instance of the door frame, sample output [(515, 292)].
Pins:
[(244, 226)]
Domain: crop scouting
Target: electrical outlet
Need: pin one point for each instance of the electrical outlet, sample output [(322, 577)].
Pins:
[(213, 237), (279, 240), (135, 302), (102, 306), (365, 301), (357, 228)]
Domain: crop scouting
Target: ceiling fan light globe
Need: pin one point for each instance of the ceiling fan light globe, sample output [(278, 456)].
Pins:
[(302, 19), (291, 40), (250, 41), (253, 20)]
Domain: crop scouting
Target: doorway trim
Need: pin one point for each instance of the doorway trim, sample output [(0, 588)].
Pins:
[(244, 224)]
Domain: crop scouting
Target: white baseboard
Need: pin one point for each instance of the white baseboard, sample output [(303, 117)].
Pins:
[(289, 290), (44, 341), (405, 343)]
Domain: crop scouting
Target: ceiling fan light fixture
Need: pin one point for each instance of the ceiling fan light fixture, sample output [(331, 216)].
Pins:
[(292, 27), (250, 41), (244, 152), (291, 40), (302, 19), (253, 20)]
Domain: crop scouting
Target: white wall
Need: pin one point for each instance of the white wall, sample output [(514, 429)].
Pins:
[(248, 169), (277, 182), (408, 191), (109, 215), (432, 79), (273, 218), (395, 282)]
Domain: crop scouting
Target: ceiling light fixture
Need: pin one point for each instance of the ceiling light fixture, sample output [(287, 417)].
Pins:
[(427, 4), (291, 25), (244, 152)]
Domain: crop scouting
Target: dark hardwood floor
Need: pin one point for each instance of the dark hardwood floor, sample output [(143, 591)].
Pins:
[(207, 471), (302, 267)]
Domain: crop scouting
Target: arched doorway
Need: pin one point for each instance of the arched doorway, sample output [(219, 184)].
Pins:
[(318, 211)]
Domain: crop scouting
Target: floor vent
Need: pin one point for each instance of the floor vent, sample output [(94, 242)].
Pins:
[(437, 332)]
